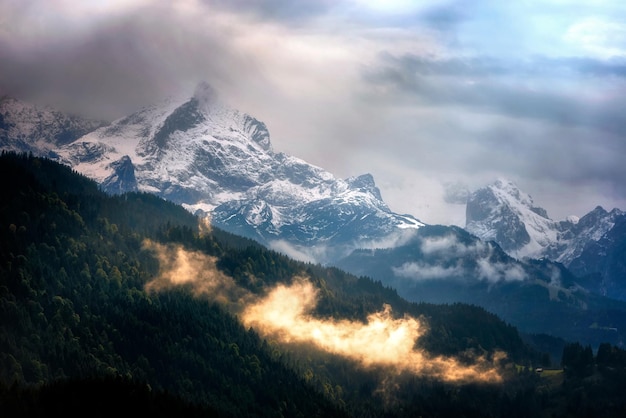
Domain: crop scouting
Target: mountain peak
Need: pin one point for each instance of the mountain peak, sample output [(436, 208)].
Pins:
[(39, 129), (600, 210), (503, 213), (511, 194), (365, 182)]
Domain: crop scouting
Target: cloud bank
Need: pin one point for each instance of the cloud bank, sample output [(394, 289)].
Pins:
[(448, 248)]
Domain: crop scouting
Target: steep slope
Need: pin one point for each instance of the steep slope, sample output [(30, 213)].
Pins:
[(192, 150), (218, 161), (602, 260), (576, 235), (75, 309), (502, 213)]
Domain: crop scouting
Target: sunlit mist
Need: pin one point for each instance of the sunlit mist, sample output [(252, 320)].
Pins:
[(204, 226), (285, 314), (178, 266), (382, 340)]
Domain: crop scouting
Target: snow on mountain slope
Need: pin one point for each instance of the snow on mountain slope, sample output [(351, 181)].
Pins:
[(218, 161), (503, 213), (28, 128), (180, 148), (576, 236)]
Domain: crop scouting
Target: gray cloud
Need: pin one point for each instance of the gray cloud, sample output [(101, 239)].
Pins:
[(486, 84), (446, 16), (615, 67), (422, 95), (488, 66), (118, 64), (286, 11)]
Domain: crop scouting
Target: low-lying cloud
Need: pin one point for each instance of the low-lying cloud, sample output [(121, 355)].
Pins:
[(450, 245), (497, 271), (198, 271), (286, 314), (323, 254), (422, 271), (447, 258)]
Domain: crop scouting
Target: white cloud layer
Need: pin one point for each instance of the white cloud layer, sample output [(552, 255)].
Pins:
[(448, 247)]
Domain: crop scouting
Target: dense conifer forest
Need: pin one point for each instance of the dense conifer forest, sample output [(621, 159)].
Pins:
[(81, 334)]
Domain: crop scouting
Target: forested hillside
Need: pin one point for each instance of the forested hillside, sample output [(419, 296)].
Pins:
[(88, 326)]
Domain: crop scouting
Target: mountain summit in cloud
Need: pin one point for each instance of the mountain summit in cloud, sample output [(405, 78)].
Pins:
[(217, 161)]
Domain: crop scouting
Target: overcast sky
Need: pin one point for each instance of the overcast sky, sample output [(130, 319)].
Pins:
[(429, 96)]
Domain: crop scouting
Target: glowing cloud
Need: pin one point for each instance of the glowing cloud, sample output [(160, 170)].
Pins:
[(204, 226), (285, 313), (383, 340), (198, 271)]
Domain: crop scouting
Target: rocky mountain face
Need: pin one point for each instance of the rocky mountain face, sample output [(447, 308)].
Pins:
[(592, 246), (602, 261), (219, 162), (502, 213), (25, 127)]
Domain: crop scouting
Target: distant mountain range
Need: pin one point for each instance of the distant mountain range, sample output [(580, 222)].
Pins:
[(540, 274), (592, 247), (565, 278)]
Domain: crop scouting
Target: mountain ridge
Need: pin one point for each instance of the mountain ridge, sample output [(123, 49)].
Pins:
[(218, 161), (441, 264)]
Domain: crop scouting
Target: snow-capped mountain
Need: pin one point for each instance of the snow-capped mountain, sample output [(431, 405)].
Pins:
[(591, 245), (218, 161), (25, 127), (578, 234), (600, 256), (502, 213)]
